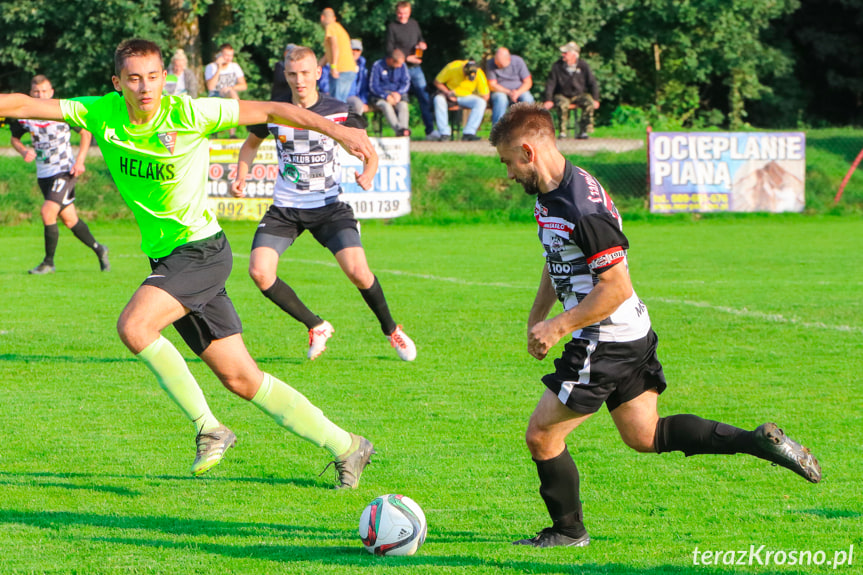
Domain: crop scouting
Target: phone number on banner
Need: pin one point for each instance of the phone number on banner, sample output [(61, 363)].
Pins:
[(240, 208), (378, 204)]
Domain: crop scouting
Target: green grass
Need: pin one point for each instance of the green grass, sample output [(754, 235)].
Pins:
[(758, 318)]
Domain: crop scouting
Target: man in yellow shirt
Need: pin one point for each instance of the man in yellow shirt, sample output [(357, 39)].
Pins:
[(461, 82), (337, 53)]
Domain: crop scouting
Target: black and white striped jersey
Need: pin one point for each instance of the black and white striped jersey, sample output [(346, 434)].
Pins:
[(51, 142), (309, 168), (582, 235)]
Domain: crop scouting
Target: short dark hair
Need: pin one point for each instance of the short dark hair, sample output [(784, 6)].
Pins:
[(300, 53), (134, 47), (225, 45), (403, 4), (523, 119), (39, 79)]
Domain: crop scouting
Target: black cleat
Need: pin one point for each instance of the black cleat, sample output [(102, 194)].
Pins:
[(42, 269), (102, 253), (548, 537), (777, 447)]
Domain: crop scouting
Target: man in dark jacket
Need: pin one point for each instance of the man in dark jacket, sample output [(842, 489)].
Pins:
[(571, 81), (404, 33)]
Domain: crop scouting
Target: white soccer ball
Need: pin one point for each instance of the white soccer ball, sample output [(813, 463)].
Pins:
[(392, 525)]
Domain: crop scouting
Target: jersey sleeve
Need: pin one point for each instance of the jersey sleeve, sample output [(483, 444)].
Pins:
[(260, 130), (76, 112), (16, 128), (354, 121), (215, 114), (601, 240)]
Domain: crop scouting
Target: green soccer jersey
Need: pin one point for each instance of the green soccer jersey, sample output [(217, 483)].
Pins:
[(161, 167)]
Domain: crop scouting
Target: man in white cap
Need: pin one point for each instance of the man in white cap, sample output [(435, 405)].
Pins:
[(571, 81)]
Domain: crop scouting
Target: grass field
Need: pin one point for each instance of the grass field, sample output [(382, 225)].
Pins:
[(759, 319)]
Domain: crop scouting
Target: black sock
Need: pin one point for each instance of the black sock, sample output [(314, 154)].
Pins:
[(52, 235), (558, 486), (82, 232), (376, 301), (283, 296), (693, 436)]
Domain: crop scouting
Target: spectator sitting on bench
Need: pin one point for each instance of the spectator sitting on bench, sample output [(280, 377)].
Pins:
[(460, 82), (388, 86)]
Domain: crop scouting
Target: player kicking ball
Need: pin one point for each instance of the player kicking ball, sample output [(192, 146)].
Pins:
[(157, 151), (611, 357), (306, 197), (56, 172)]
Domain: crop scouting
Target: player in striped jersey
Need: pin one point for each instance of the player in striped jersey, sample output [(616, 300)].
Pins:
[(56, 172), (611, 357), (306, 197)]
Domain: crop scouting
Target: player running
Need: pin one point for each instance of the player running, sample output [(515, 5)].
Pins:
[(306, 197), (56, 173), (611, 357), (157, 150)]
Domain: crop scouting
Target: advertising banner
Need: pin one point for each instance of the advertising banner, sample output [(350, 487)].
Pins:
[(389, 197), (727, 171)]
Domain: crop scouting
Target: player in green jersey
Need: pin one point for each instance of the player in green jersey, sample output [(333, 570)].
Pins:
[(157, 151)]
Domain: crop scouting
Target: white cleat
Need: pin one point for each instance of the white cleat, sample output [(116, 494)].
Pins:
[(404, 345), (318, 337)]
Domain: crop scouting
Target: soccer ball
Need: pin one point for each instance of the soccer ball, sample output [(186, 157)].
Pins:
[(392, 525)]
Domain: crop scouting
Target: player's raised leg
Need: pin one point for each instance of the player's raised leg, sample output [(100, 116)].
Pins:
[(263, 265), (550, 424), (230, 361), (642, 429), (82, 231), (140, 325), (352, 260)]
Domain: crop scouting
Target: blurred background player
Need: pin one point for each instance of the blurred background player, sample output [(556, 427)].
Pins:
[(306, 197), (56, 172)]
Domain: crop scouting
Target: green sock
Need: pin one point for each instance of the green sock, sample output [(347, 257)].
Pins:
[(174, 377), (290, 409)]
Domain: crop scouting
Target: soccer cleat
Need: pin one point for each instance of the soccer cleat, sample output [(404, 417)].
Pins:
[(42, 269), (212, 445), (349, 466), (548, 537), (404, 345), (102, 254), (780, 449), (318, 337)]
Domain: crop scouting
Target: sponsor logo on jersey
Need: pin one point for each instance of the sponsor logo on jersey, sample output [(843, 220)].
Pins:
[(607, 258), (146, 170), (168, 139), (554, 224), (560, 268)]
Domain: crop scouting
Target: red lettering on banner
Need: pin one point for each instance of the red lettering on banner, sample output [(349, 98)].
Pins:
[(216, 171), (259, 171), (232, 172)]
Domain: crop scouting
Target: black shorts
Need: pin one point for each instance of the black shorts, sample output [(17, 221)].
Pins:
[(333, 226), (59, 188), (195, 274), (591, 373)]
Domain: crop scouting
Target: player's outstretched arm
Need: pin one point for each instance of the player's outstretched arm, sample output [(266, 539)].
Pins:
[(355, 141), (244, 160), (22, 106)]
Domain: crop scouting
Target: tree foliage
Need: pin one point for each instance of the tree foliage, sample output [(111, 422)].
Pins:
[(697, 61)]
